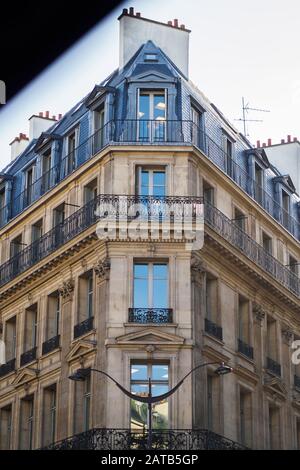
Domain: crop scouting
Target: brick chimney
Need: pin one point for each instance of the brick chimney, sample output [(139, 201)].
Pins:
[(40, 123), (170, 37), (18, 145)]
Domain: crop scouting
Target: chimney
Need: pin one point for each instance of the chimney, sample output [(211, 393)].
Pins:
[(295, 139), (18, 145), (258, 144), (289, 139), (269, 142), (282, 141), (135, 31), (40, 123), (264, 145)]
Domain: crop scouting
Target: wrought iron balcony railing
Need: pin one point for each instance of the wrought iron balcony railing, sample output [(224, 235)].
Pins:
[(125, 439), (8, 367), (297, 381), (245, 349), (28, 356), (273, 366), (213, 329), (228, 230), (151, 208), (83, 327), (150, 132), (51, 344), (150, 315)]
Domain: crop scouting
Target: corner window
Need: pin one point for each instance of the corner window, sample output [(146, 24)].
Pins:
[(140, 372), (152, 112), (151, 182), (150, 285)]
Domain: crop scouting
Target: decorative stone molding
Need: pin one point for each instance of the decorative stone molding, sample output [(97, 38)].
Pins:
[(258, 313), (102, 268), (198, 266), (287, 335), (67, 289)]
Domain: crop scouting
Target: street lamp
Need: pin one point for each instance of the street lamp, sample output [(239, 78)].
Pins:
[(82, 373)]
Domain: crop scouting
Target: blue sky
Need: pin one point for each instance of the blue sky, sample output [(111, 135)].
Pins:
[(237, 48)]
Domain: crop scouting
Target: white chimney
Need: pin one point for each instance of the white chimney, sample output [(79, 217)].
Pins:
[(18, 145), (172, 38), (40, 123)]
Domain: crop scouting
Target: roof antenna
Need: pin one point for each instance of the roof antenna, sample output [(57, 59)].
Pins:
[(245, 109)]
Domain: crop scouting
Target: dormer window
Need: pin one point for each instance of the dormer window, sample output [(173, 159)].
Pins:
[(98, 128), (152, 114), (28, 196), (46, 166), (228, 153), (285, 209), (258, 188), (71, 151)]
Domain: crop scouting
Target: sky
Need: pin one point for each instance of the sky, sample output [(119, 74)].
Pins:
[(237, 48)]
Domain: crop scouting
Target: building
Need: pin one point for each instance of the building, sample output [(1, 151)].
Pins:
[(149, 306)]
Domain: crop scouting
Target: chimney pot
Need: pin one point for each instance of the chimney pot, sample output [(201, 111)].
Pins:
[(54, 117), (295, 139), (131, 11), (289, 138), (176, 23), (282, 141), (138, 15), (170, 23), (125, 11), (182, 26), (59, 117), (41, 114), (264, 144), (258, 143), (47, 114), (269, 142)]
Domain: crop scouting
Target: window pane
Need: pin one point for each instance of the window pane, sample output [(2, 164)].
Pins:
[(141, 271), (158, 389), (138, 415), (144, 108), (139, 372), (160, 372), (160, 294), (140, 295), (159, 107), (160, 271), (159, 178)]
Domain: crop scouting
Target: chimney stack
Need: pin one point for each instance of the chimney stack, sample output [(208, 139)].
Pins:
[(289, 139), (295, 139), (136, 31), (269, 142), (18, 145), (40, 123), (264, 145), (258, 144), (282, 141)]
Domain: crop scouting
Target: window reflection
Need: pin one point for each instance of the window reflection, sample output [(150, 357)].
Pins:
[(159, 374)]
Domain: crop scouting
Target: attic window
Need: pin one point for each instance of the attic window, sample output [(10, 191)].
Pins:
[(150, 57)]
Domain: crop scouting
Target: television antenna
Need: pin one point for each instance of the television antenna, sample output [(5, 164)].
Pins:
[(245, 110)]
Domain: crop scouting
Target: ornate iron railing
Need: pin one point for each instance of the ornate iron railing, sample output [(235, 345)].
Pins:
[(273, 366), (213, 329), (10, 366), (51, 344), (83, 327), (28, 356), (125, 439), (124, 207), (245, 349), (150, 132), (150, 315), (297, 381), (228, 230)]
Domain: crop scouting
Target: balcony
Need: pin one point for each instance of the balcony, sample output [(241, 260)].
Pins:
[(297, 381), (212, 329), (245, 349), (28, 356), (84, 327), (125, 439), (10, 366), (148, 132), (150, 315), (273, 367), (50, 345)]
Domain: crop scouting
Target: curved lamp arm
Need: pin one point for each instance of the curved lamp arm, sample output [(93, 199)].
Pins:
[(158, 397)]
